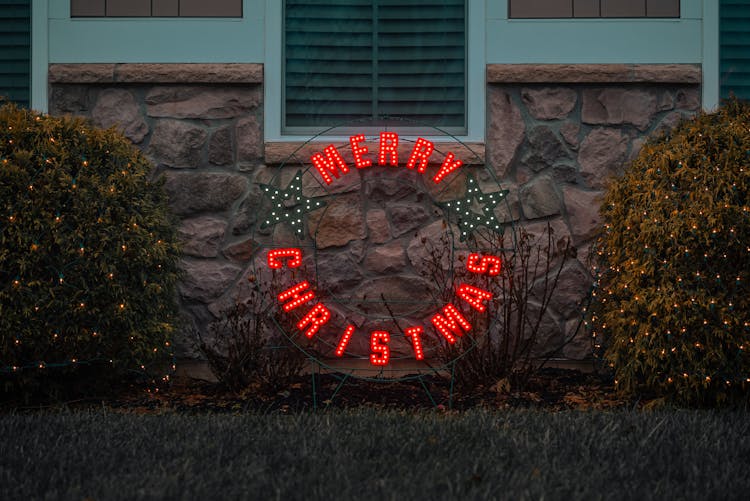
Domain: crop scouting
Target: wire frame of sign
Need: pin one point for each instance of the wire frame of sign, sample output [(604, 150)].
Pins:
[(383, 249)]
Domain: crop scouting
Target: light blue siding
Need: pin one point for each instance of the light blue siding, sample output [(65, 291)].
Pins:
[(156, 40), (492, 39), (645, 41)]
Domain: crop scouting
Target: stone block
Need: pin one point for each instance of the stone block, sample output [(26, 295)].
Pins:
[(388, 258), (582, 210), (337, 272), (177, 144), (241, 251), (220, 147), (505, 130), (69, 99), (545, 149), (569, 132), (249, 142), (190, 193), (579, 345), (206, 280), (117, 107), (201, 236), (406, 217), (549, 103), (431, 247), (602, 154), (218, 73), (377, 226), (202, 102), (573, 286), (247, 213), (338, 223), (539, 198), (666, 101), (81, 73), (688, 99), (617, 105), (404, 294)]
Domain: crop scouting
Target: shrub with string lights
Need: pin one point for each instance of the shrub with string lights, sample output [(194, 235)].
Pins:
[(673, 302), (88, 250)]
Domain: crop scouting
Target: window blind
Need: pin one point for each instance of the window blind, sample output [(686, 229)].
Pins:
[(734, 48), (15, 50), (351, 59)]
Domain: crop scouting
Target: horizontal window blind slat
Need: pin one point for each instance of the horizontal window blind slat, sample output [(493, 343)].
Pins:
[(734, 48)]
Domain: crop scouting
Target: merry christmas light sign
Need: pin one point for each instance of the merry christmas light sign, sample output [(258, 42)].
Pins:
[(322, 316)]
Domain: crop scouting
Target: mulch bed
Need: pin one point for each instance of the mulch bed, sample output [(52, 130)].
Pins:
[(551, 389)]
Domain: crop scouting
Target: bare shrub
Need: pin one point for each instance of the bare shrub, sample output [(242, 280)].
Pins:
[(508, 343), (245, 348)]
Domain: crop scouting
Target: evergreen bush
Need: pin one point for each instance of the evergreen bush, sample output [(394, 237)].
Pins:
[(88, 249), (673, 306)]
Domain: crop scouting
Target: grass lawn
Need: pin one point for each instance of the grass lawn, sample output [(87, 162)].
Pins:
[(369, 454)]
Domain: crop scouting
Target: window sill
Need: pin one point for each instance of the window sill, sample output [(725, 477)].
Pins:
[(280, 152)]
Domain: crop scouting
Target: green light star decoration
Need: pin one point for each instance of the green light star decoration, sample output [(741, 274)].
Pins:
[(468, 219), (288, 205)]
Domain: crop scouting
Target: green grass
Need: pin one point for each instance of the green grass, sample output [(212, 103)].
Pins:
[(367, 454)]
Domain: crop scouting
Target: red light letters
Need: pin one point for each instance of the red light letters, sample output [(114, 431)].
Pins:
[(358, 151), (344, 341), (315, 318), (474, 296), (388, 149), (380, 353), (451, 324), (274, 255), (329, 164), (484, 265), (449, 165), (415, 334), (421, 152)]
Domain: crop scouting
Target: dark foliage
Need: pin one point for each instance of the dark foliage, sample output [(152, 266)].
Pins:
[(673, 307), (88, 253)]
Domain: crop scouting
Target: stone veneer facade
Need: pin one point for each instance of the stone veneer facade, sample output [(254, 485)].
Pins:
[(555, 135)]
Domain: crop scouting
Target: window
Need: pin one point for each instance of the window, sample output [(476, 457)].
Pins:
[(593, 8), (156, 8), (734, 48), (357, 59), (15, 50)]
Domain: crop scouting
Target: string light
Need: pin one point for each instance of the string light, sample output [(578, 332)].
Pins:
[(316, 318), (380, 352), (293, 253), (388, 152), (344, 341), (293, 295), (484, 264), (474, 296), (420, 153), (469, 221), (358, 151), (450, 164), (449, 324), (329, 164), (289, 205), (415, 334)]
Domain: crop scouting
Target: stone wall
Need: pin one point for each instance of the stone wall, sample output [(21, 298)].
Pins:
[(555, 135), (558, 133), (201, 124)]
